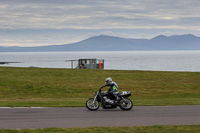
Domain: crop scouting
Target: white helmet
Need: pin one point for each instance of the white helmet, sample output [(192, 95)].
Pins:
[(108, 80)]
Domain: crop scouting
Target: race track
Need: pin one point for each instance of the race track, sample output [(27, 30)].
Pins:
[(20, 118)]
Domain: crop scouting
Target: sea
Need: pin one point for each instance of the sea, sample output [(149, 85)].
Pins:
[(113, 60)]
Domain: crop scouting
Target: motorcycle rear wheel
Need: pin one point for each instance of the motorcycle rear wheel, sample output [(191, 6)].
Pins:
[(91, 106), (126, 105)]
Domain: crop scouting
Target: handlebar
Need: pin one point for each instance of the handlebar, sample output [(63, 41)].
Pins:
[(101, 88)]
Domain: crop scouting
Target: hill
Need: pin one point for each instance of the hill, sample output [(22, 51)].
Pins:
[(110, 43)]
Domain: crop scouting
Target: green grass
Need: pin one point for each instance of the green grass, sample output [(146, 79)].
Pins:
[(72, 87), (139, 129)]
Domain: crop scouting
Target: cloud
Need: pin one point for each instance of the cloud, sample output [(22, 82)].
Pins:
[(74, 20), (95, 14)]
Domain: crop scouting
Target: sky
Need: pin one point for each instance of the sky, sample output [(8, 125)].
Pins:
[(56, 22)]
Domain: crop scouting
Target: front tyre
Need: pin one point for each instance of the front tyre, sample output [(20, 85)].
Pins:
[(126, 104), (92, 106)]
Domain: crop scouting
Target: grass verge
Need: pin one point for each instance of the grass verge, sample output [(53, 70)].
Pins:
[(137, 129), (50, 87)]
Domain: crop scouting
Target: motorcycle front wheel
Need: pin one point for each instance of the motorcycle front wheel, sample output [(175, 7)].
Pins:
[(92, 106), (126, 104)]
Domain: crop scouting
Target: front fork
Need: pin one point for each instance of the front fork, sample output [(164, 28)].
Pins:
[(95, 97)]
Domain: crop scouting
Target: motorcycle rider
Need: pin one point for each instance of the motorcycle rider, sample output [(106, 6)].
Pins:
[(113, 88)]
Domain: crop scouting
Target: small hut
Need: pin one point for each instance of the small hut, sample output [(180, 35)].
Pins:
[(88, 63)]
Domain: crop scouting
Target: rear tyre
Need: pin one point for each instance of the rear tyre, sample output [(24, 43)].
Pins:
[(126, 104), (92, 106)]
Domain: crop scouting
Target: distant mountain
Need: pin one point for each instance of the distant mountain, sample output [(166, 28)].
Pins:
[(110, 43)]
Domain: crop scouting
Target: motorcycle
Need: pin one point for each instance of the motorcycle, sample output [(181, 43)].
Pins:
[(109, 102)]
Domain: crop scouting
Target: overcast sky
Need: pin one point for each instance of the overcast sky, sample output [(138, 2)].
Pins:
[(49, 22)]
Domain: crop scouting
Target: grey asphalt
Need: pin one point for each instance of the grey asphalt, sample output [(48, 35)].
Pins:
[(23, 118)]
